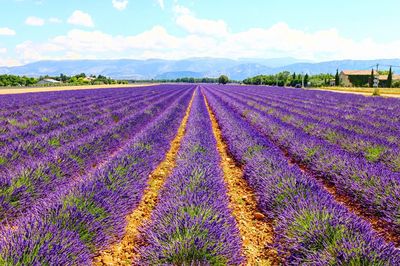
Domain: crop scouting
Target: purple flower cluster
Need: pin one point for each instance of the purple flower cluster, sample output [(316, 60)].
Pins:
[(72, 228), (372, 185), (192, 224), (310, 226)]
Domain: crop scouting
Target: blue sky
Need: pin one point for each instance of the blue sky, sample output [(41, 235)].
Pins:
[(32, 30)]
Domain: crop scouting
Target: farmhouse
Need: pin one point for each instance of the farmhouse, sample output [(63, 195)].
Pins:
[(349, 78), (359, 78), (48, 81)]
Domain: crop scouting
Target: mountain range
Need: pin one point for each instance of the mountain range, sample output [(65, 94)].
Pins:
[(192, 67)]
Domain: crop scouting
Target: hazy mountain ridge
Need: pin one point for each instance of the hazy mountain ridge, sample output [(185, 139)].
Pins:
[(195, 67)]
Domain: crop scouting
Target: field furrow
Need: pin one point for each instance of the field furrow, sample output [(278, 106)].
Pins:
[(308, 220), (192, 222), (92, 215), (255, 228), (373, 186), (124, 252)]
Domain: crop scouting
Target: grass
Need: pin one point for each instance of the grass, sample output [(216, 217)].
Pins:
[(370, 91), (373, 154)]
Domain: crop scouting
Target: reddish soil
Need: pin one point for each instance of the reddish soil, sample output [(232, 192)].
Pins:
[(255, 228), (124, 252)]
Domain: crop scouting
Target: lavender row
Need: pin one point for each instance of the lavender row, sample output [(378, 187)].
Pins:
[(61, 120), (73, 230), (19, 192), (383, 109), (69, 114), (351, 121), (16, 104), (373, 149), (20, 153), (192, 223), (369, 112), (109, 126), (373, 186), (26, 116), (309, 225)]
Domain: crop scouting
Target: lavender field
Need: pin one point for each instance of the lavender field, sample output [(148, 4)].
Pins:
[(199, 175)]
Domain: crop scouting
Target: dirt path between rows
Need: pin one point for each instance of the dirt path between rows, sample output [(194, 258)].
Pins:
[(256, 229), (124, 253)]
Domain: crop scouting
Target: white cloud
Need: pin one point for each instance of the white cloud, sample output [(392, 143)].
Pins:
[(278, 40), (161, 3), (80, 18), (7, 31), (34, 21), (3, 50), (120, 4), (213, 40), (55, 20), (192, 24)]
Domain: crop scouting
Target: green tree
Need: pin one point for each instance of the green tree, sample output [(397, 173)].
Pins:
[(337, 79), (371, 78), (293, 81), (281, 78), (389, 78), (223, 79), (63, 78), (306, 78)]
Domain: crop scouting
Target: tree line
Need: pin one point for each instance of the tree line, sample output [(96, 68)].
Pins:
[(80, 79), (223, 79), (83, 79), (286, 78), (12, 80)]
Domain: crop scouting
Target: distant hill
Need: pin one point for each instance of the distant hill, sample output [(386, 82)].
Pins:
[(179, 74), (331, 66), (192, 67)]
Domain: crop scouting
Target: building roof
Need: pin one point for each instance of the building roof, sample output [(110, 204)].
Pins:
[(49, 81), (384, 77), (356, 72), (367, 73)]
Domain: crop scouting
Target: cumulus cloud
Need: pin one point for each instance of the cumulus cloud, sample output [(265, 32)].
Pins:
[(34, 21), (120, 4), (81, 18), (188, 21), (7, 31), (3, 50), (161, 3), (279, 40)]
